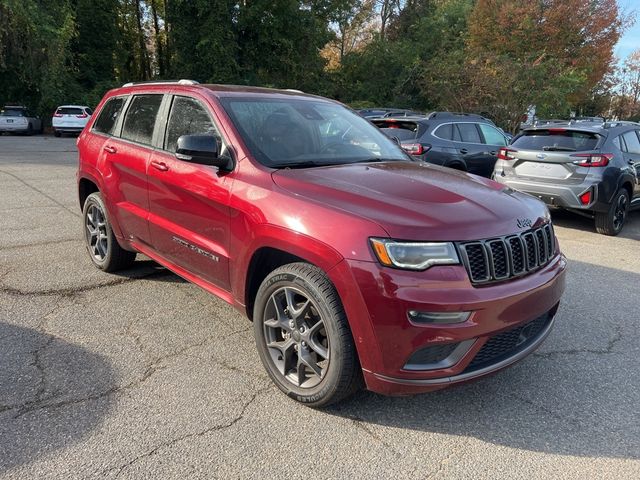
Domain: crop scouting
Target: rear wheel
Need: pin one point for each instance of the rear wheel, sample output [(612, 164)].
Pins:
[(29, 130), (56, 133), (103, 248), (612, 221), (303, 337)]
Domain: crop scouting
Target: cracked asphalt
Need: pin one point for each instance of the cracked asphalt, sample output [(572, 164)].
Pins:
[(142, 375)]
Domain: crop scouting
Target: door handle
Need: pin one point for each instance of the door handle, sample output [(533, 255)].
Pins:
[(492, 153), (110, 149), (463, 151), (163, 167)]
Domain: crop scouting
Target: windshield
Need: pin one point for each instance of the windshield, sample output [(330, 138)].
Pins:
[(556, 140), (12, 112), (303, 133)]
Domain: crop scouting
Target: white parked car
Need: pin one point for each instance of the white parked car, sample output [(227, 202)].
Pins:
[(17, 119), (70, 119)]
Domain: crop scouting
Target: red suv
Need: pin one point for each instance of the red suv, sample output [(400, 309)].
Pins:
[(355, 262)]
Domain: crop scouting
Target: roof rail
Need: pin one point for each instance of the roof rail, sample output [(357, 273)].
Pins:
[(162, 82), (616, 123), (455, 114)]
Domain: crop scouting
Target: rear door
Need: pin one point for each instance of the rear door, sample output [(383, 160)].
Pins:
[(546, 155), (468, 141), (189, 216), (125, 160), (630, 146)]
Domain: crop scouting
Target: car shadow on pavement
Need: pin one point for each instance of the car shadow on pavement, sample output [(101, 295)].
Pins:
[(577, 395), (149, 270), (52, 394), (563, 218)]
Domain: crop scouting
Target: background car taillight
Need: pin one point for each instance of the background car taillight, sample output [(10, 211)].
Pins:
[(506, 154), (84, 115), (591, 160), (415, 148), (57, 115)]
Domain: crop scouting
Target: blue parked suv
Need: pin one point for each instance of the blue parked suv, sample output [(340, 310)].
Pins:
[(463, 141)]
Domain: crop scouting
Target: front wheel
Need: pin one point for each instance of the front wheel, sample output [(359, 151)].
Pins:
[(103, 248), (303, 337), (612, 221)]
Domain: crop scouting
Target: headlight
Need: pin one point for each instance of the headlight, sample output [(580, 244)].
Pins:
[(414, 255)]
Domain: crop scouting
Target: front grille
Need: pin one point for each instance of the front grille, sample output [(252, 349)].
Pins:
[(507, 344), (498, 259)]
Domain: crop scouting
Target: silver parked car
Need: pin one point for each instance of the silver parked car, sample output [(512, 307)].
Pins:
[(17, 119), (588, 167)]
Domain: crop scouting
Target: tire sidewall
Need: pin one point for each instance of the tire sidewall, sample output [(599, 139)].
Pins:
[(328, 384)]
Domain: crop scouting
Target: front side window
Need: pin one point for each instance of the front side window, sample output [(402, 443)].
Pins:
[(632, 142), (283, 132), (109, 115), (492, 136), (469, 133), (188, 117), (140, 118)]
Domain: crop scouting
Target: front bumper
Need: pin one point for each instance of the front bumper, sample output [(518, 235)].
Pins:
[(387, 295)]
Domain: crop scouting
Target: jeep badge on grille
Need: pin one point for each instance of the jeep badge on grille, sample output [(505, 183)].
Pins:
[(524, 223)]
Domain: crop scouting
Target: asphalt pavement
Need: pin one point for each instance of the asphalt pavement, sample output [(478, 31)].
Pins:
[(142, 375)]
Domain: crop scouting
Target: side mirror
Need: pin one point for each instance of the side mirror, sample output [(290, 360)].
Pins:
[(200, 149)]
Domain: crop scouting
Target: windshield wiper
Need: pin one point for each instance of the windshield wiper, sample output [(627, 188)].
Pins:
[(375, 159), (305, 164), (551, 148)]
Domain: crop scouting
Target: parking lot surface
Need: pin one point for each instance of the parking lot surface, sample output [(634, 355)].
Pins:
[(142, 375)]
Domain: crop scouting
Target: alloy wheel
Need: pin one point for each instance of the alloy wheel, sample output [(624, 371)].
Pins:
[(296, 337), (620, 212), (96, 232)]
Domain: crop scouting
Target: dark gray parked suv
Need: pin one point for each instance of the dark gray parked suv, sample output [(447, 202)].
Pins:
[(462, 141), (582, 166)]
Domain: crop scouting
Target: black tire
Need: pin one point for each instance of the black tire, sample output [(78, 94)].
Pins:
[(340, 374), (29, 130), (612, 221), (104, 250), (56, 133)]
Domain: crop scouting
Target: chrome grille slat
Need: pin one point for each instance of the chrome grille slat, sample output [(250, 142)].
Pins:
[(498, 259)]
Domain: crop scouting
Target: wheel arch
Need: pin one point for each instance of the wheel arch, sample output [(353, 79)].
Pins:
[(86, 187)]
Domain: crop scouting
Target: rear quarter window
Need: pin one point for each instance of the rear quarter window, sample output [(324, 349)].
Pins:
[(109, 115), (557, 139)]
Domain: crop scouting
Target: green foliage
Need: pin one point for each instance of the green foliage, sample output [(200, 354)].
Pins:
[(494, 57)]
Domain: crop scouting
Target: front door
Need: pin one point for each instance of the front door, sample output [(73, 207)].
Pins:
[(189, 203)]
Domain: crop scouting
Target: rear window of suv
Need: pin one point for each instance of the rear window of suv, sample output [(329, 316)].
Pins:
[(557, 140), (69, 111), (13, 112)]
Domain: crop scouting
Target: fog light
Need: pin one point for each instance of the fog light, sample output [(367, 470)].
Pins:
[(438, 317)]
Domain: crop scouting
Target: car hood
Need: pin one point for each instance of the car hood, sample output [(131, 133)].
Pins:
[(416, 200)]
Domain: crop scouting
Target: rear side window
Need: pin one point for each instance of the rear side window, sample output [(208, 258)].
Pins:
[(556, 140), (632, 142), (492, 136), (89, 111), (108, 116), (469, 132), (188, 117), (69, 111), (140, 119), (444, 131)]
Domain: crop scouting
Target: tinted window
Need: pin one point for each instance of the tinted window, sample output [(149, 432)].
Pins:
[(469, 132), (188, 117), (141, 118), (619, 144), (108, 116), (444, 131), (556, 140), (69, 111), (492, 136), (89, 111), (13, 112), (633, 144), (399, 133)]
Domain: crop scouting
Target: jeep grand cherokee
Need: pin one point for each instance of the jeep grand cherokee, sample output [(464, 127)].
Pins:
[(355, 263)]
